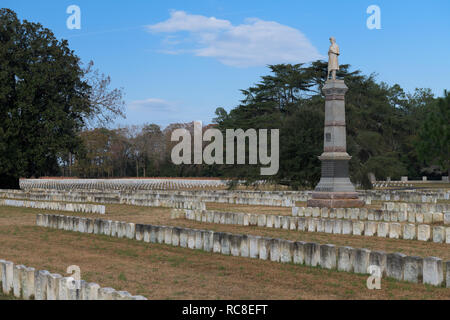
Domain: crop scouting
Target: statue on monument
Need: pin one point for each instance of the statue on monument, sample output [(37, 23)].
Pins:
[(333, 64)]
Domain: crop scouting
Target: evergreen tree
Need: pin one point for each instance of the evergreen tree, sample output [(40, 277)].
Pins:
[(433, 144), (44, 99)]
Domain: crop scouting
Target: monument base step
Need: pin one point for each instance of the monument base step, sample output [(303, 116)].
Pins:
[(335, 200)]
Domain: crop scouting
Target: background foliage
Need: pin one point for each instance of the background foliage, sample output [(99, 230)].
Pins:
[(55, 119)]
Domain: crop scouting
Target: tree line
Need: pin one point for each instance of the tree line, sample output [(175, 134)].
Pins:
[(55, 115), (390, 133), (130, 151)]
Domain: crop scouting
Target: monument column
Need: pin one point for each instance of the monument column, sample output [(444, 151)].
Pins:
[(335, 189)]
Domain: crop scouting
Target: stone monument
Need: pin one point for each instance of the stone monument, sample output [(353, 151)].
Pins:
[(335, 189)]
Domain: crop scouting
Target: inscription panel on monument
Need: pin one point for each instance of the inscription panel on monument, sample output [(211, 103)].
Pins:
[(334, 168)]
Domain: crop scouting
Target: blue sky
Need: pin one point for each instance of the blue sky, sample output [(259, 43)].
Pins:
[(179, 60)]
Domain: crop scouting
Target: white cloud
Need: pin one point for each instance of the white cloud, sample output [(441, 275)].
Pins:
[(181, 21), (254, 43), (151, 104)]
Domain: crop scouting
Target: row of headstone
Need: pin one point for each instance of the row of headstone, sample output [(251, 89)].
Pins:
[(146, 199), (416, 207), (120, 184), (123, 185), (415, 195), (371, 214), (169, 202), (393, 230), (72, 207), (230, 199), (394, 265), (391, 184), (31, 284), (276, 198), (278, 195), (186, 204), (132, 184), (405, 179)]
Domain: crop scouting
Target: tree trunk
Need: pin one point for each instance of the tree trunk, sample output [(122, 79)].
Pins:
[(137, 169), (70, 164)]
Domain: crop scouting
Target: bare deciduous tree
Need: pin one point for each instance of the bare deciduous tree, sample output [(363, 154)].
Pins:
[(106, 103)]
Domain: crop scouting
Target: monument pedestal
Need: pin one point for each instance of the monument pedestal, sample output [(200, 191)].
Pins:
[(335, 200), (335, 189)]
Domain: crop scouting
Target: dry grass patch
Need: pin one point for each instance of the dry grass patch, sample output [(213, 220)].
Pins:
[(164, 272), (226, 207), (161, 216)]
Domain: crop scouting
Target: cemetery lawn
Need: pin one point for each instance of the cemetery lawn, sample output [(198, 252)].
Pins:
[(227, 207), (160, 271)]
